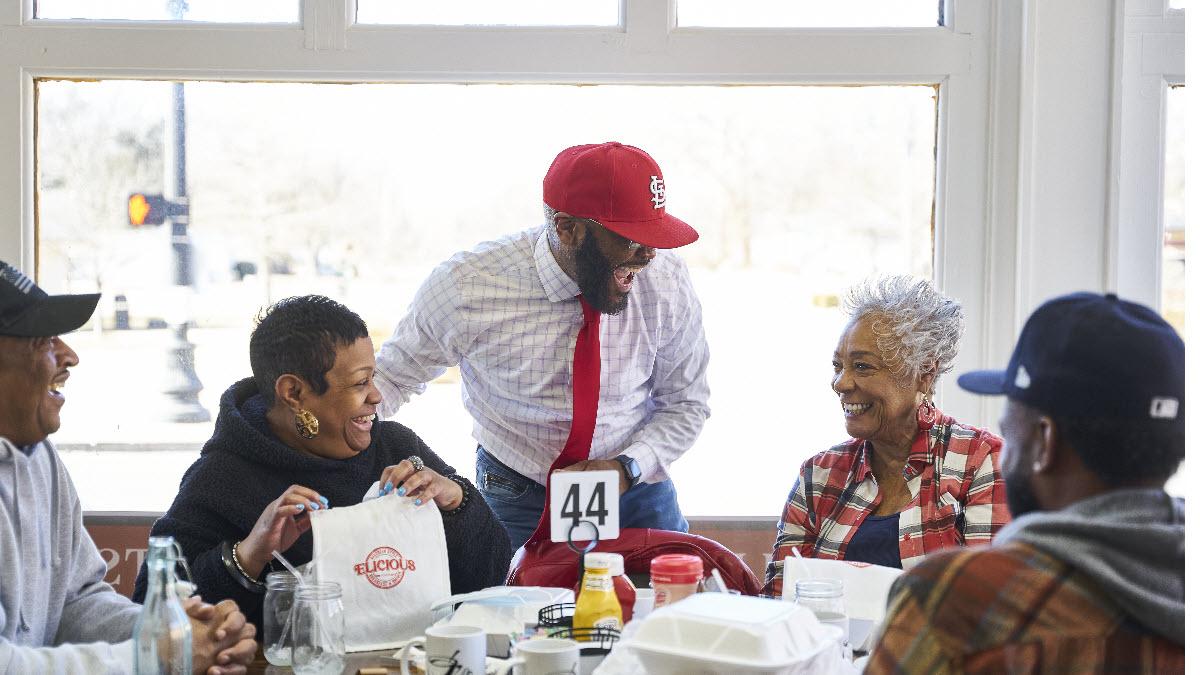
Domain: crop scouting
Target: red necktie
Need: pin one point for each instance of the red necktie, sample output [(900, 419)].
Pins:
[(585, 392)]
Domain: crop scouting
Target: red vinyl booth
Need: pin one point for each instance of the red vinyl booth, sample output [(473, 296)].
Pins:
[(546, 563)]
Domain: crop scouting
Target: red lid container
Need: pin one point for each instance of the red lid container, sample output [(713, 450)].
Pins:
[(676, 568)]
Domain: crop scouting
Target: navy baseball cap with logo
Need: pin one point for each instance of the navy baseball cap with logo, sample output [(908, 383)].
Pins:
[(28, 311), (1087, 356)]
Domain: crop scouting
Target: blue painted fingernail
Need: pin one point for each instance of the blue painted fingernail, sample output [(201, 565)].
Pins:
[(325, 501), (387, 487), (400, 491), (299, 507), (380, 492), (314, 505), (418, 502)]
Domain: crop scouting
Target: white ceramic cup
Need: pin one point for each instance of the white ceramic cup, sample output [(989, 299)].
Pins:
[(643, 602), (456, 649), (544, 656)]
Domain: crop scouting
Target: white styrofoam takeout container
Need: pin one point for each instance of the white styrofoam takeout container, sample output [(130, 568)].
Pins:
[(716, 633)]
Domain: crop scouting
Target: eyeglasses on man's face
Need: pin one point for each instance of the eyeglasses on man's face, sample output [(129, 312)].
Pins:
[(625, 242)]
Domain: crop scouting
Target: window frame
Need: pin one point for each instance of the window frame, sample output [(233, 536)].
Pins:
[(1149, 60), (974, 60)]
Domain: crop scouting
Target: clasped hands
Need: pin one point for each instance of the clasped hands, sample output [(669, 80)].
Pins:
[(222, 641)]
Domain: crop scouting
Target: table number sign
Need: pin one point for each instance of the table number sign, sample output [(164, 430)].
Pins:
[(584, 496)]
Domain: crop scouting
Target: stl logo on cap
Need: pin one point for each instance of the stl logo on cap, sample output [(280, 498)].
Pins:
[(12, 276), (658, 192)]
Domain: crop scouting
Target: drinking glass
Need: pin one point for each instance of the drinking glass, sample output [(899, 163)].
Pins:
[(277, 607), (826, 599), (318, 630)]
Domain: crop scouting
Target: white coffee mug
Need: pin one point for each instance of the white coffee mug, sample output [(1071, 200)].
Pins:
[(643, 602), (544, 656), (456, 649)]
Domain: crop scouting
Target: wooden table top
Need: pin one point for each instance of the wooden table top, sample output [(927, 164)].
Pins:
[(355, 661)]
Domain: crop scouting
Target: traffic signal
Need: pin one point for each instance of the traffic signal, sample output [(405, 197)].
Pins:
[(145, 209)]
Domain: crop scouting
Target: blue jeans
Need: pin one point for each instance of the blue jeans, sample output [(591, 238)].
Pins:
[(518, 501)]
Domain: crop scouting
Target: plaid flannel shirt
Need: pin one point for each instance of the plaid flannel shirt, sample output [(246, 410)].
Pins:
[(1011, 609), (957, 497)]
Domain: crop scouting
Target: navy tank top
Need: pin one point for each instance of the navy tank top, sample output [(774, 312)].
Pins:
[(877, 541)]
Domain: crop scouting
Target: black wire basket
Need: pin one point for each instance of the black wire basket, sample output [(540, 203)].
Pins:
[(599, 641), (556, 616)]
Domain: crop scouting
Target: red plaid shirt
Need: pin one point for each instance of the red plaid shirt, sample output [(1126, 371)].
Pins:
[(952, 473)]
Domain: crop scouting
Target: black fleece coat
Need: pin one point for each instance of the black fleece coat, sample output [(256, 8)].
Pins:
[(243, 467)]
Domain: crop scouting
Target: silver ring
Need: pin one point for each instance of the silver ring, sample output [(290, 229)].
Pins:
[(417, 462)]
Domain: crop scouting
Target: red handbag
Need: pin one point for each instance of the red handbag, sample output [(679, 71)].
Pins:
[(547, 563)]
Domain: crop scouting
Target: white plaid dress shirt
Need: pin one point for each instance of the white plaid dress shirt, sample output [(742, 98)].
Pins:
[(507, 315)]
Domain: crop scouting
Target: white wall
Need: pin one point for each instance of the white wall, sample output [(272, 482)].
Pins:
[(1064, 144)]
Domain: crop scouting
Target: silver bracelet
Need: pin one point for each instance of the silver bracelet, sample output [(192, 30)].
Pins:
[(237, 563)]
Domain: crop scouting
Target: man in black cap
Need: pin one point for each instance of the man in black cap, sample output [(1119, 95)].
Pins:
[(1088, 577), (57, 615)]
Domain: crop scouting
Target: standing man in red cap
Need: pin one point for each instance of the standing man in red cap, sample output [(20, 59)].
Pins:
[(580, 342)]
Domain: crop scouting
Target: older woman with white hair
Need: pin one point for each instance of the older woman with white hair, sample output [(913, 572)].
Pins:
[(911, 480)]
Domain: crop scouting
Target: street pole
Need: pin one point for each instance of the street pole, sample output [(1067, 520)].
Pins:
[(181, 385)]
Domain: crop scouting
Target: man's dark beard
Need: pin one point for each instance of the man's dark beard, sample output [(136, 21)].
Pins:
[(595, 274), (1019, 493)]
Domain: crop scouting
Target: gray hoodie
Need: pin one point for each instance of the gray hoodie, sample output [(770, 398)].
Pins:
[(1130, 542), (56, 613)]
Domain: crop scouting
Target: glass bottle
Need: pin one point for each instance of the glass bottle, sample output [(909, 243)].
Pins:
[(597, 605), (277, 611), (162, 637), (318, 630), (825, 598)]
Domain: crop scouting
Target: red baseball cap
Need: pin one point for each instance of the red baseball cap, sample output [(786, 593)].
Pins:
[(618, 186)]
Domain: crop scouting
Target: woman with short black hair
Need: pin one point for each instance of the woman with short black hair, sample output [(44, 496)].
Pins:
[(300, 436)]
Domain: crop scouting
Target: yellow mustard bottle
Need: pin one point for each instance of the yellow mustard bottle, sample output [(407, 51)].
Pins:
[(597, 605)]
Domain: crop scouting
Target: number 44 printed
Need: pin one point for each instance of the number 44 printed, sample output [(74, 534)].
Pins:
[(577, 496)]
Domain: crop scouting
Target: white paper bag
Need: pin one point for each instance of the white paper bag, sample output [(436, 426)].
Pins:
[(389, 555)]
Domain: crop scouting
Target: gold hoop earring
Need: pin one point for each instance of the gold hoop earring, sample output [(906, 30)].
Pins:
[(307, 424)]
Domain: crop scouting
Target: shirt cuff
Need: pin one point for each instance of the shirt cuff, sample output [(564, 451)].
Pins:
[(652, 469), (393, 396)]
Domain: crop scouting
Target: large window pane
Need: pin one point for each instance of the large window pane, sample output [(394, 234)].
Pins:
[(1173, 262), (232, 11), (358, 191), (491, 13), (809, 13)]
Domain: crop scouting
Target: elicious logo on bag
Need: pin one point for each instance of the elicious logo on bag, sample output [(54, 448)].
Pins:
[(385, 567)]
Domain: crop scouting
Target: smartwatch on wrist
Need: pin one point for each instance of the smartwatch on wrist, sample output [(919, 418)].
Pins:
[(633, 472)]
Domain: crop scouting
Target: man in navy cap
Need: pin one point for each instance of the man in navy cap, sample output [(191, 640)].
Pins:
[(1088, 577), (57, 615)]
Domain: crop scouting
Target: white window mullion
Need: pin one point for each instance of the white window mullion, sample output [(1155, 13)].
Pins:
[(965, 228), (17, 231), (326, 23), (649, 24)]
